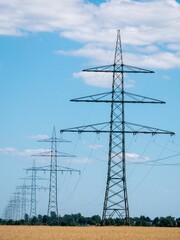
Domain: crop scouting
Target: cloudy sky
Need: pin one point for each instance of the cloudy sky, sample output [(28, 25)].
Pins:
[(44, 45)]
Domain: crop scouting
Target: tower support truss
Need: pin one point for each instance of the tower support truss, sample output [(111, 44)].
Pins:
[(34, 187), (116, 197), (53, 168)]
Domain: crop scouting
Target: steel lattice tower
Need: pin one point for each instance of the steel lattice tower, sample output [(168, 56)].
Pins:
[(52, 205), (24, 191), (53, 168), (116, 198), (33, 191), (17, 204), (33, 187)]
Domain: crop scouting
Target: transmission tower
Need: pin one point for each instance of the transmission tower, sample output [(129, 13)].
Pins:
[(33, 187), (24, 192), (53, 168), (10, 209), (116, 198), (17, 201)]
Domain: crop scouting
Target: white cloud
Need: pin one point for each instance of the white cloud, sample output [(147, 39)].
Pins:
[(163, 190), (10, 151), (99, 79), (175, 47), (94, 52), (39, 137), (149, 29), (142, 22), (134, 157), (163, 60), (95, 146), (80, 160), (166, 77), (95, 79)]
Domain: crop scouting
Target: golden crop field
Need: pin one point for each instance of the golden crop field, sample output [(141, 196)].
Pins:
[(87, 233)]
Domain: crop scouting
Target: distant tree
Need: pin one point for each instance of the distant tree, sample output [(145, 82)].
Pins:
[(34, 221), (64, 222), (69, 220), (110, 222), (76, 218), (40, 218), (16, 222), (26, 218), (178, 222), (53, 219), (96, 220), (119, 222), (45, 219), (79, 220), (171, 221), (10, 222), (167, 222), (142, 221), (22, 222), (89, 221), (156, 221), (82, 221)]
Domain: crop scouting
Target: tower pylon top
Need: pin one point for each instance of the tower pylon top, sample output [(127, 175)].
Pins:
[(118, 56)]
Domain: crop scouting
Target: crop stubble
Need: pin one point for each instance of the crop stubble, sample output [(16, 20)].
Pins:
[(87, 233)]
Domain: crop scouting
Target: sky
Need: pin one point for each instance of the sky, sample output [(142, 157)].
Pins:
[(44, 45)]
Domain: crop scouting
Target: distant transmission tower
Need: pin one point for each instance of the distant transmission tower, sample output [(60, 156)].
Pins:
[(24, 192), (34, 187), (10, 209), (116, 198), (17, 204), (53, 168)]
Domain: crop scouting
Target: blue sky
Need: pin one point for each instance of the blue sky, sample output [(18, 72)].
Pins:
[(43, 48)]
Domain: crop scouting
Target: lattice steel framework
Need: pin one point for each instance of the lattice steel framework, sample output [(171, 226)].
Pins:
[(24, 192), (33, 191), (17, 205), (116, 198), (53, 168), (34, 187)]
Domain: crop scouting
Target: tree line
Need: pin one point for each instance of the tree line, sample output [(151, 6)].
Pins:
[(79, 220)]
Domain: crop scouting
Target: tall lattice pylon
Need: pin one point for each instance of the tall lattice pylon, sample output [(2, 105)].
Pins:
[(33, 188), (53, 205), (53, 168), (24, 192), (33, 191), (116, 197)]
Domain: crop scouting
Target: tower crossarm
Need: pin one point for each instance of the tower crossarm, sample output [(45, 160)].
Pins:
[(137, 128), (97, 128), (41, 188), (130, 128), (118, 68), (59, 169), (141, 99), (54, 139), (107, 98), (52, 154)]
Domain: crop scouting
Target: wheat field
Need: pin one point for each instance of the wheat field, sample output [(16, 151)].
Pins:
[(87, 233)]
